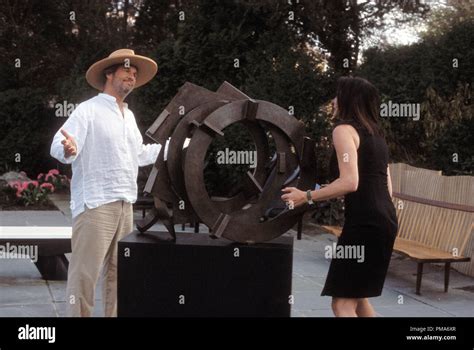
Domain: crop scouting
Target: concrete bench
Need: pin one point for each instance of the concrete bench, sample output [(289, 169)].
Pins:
[(52, 243)]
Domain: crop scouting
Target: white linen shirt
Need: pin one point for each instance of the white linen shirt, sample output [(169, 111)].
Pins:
[(109, 151)]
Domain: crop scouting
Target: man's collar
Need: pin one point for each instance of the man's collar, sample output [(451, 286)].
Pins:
[(111, 98)]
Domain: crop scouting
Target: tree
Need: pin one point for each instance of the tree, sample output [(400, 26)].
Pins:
[(248, 44), (46, 48), (338, 27), (437, 74)]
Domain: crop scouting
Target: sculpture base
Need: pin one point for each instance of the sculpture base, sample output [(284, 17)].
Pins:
[(198, 276)]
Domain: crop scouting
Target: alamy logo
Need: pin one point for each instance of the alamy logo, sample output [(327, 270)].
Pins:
[(12, 251), (405, 110), (352, 252), (237, 157), (37, 333), (64, 109)]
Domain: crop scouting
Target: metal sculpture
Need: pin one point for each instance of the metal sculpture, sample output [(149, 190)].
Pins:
[(190, 122)]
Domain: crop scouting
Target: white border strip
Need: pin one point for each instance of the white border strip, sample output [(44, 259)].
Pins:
[(35, 232)]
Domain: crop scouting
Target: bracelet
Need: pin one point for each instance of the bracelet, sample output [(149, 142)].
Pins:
[(309, 197)]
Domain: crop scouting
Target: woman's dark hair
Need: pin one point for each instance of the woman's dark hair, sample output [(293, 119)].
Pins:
[(359, 100)]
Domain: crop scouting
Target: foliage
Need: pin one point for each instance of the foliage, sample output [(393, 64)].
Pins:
[(435, 73), (330, 212), (283, 72)]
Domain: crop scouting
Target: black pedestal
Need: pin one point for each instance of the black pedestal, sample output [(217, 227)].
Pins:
[(203, 277)]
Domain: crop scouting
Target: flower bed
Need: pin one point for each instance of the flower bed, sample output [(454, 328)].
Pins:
[(33, 194)]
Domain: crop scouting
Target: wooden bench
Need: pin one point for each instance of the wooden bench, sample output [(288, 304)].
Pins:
[(52, 244), (425, 254), (432, 231)]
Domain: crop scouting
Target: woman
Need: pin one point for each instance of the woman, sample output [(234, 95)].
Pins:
[(360, 163)]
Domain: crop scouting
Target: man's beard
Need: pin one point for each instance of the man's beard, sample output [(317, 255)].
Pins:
[(123, 89)]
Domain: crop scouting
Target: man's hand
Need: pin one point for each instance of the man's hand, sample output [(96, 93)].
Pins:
[(70, 148), (294, 196)]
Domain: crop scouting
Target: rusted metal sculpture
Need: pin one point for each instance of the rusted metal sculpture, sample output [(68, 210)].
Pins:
[(194, 117)]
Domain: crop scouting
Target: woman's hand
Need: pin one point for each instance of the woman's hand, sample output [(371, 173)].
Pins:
[(294, 197)]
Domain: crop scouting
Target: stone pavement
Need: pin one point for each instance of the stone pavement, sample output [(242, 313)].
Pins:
[(24, 294)]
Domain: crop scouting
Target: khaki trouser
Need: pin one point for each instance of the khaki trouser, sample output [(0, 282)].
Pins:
[(95, 234)]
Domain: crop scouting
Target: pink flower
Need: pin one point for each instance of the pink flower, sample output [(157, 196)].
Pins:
[(53, 172), (34, 183), (40, 175), (48, 186), (18, 185), (14, 184), (48, 175)]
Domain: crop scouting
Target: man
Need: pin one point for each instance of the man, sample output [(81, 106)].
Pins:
[(102, 142)]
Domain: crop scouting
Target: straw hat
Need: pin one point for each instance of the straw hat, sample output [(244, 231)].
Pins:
[(146, 67)]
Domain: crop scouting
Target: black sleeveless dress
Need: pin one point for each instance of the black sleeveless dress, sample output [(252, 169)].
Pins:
[(361, 257)]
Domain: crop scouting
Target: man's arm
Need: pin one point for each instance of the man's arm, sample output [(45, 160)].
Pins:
[(147, 154), (69, 140)]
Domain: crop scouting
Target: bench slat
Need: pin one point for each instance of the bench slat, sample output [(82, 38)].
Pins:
[(421, 252)]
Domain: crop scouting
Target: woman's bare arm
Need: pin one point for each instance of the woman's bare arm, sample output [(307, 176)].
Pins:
[(389, 182), (348, 179)]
